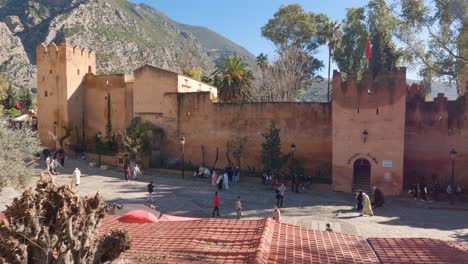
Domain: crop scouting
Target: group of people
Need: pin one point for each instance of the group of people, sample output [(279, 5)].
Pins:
[(222, 180), (364, 203), (131, 170), (431, 192), (238, 206), (54, 159)]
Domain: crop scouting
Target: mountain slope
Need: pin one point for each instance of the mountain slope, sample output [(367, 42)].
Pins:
[(123, 35)]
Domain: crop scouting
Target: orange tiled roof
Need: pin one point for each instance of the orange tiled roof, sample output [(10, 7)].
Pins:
[(419, 250), (239, 241)]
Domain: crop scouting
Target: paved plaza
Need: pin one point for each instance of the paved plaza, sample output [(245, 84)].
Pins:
[(192, 198)]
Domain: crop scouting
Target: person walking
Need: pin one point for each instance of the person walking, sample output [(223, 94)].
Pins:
[(276, 214), (359, 201), (219, 181), (214, 177), (367, 209), (280, 195), (226, 180), (47, 161), (234, 175), (76, 178), (127, 172), (238, 207), (215, 205), (150, 192), (378, 197)]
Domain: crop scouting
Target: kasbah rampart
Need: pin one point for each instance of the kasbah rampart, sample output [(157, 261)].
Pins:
[(407, 137)]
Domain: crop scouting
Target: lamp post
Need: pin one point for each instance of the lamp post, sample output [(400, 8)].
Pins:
[(453, 155), (293, 149), (182, 142), (99, 135), (365, 135)]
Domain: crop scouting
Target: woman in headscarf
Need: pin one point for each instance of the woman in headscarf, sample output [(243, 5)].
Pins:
[(367, 209), (359, 201)]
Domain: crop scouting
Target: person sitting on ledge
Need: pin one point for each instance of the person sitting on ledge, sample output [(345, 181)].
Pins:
[(378, 197)]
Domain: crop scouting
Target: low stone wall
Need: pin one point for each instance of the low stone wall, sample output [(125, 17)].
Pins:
[(105, 159)]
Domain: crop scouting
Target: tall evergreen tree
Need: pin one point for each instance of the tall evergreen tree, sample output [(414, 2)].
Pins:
[(271, 148), (25, 98), (382, 25), (9, 101)]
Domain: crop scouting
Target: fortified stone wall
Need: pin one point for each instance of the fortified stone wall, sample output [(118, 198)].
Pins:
[(432, 130), (60, 92), (211, 125), (99, 89), (378, 107)]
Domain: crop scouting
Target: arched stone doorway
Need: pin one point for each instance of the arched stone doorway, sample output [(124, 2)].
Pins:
[(361, 175)]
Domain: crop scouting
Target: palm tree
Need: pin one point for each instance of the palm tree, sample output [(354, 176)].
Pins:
[(333, 36), (262, 61), (232, 79)]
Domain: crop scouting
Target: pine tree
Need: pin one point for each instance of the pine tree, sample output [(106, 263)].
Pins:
[(9, 101), (25, 98), (271, 148)]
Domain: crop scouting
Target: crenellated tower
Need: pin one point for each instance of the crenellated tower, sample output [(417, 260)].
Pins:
[(368, 131), (60, 76)]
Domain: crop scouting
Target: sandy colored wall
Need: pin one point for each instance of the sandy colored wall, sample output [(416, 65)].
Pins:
[(189, 85), (150, 85), (202, 122), (97, 92), (382, 113), (52, 94), (432, 130)]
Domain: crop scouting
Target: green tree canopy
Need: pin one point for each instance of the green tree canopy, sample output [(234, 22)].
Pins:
[(432, 32), (10, 98), (233, 80), (262, 60), (349, 55), (25, 98), (292, 26), (194, 73), (19, 148), (271, 148)]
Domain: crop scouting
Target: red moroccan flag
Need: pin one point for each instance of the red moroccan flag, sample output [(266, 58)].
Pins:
[(18, 105), (368, 49)]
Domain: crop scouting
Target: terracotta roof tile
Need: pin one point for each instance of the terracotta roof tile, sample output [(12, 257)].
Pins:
[(419, 250), (239, 241)]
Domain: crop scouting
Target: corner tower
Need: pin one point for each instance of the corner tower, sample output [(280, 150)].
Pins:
[(61, 90), (368, 132)]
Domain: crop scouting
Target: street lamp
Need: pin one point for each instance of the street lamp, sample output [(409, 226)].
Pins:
[(293, 149), (365, 135), (453, 155), (99, 135), (182, 142)]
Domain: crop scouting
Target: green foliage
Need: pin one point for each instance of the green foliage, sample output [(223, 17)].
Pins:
[(233, 80), (349, 55), (292, 26), (25, 98), (382, 26), (207, 79), (434, 36), (271, 148), (109, 121), (106, 148), (12, 112), (18, 147), (262, 61), (137, 139), (194, 73), (9, 99)]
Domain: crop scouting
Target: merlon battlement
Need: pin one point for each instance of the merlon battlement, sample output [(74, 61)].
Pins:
[(47, 49)]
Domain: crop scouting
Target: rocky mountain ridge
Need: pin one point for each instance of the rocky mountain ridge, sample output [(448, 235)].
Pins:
[(123, 35)]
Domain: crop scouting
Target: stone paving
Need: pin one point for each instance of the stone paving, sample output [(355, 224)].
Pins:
[(192, 198)]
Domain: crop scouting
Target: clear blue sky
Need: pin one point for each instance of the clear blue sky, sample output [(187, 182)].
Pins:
[(241, 20)]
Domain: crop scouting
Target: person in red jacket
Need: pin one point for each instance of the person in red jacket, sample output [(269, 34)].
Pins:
[(215, 204)]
